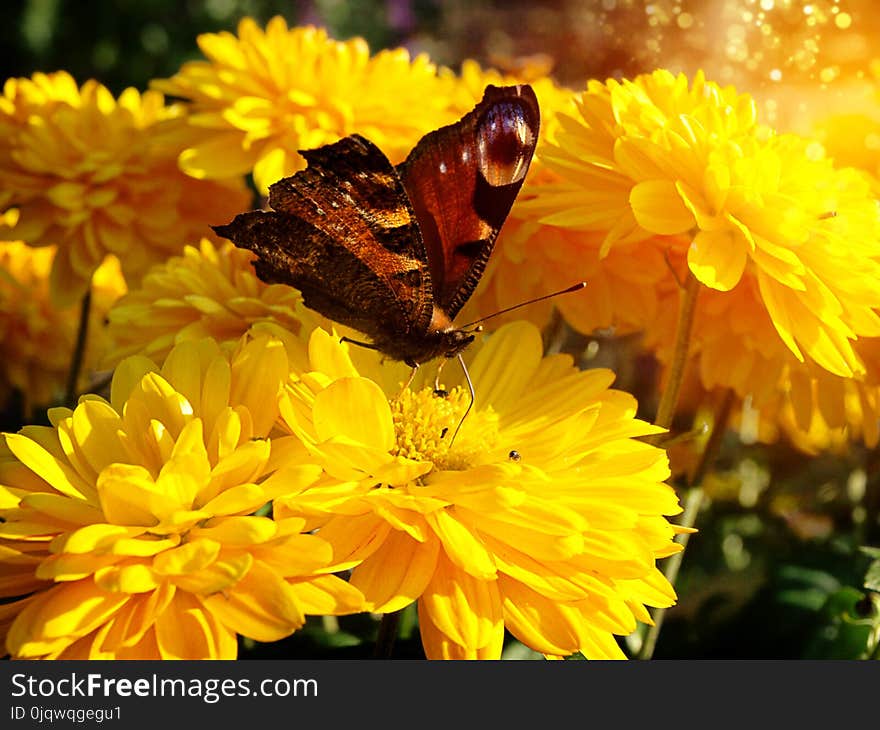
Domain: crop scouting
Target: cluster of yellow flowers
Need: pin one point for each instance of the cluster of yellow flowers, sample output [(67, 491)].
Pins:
[(244, 458)]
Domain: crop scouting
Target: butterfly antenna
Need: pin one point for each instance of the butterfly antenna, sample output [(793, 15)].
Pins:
[(576, 287), (467, 377)]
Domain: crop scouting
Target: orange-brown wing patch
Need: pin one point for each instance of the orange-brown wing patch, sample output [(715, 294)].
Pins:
[(462, 180)]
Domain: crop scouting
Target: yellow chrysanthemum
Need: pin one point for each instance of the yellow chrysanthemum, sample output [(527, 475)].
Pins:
[(98, 175), (542, 515), (128, 528), (37, 339), (819, 410), (210, 291), (265, 94), (660, 156), (733, 345)]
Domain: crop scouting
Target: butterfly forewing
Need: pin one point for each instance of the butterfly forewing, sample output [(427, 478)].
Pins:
[(343, 233), (462, 180), (293, 252)]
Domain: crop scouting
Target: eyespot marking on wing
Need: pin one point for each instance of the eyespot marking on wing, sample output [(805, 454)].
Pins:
[(504, 143)]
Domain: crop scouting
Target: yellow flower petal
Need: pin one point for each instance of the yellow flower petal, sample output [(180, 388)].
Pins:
[(64, 568), (243, 465), (57, 474), (93, 538), (718, 258), (536, 621), (328, 596), (237, 530), (467, 610), (327, 356), (297, 554), (357, 409), (95, 427), (185, 631), (63, 508), (398, 573), (461, 546), (136, 618), (495, 383), (192, 557), (263, 606), (354, 538), (220, 156), (221, 575), (70, 609), (271, 166), (136, 578), (243, 499), (126, 377), (258, 371), (438, 645), (659, 208), (129, 496)]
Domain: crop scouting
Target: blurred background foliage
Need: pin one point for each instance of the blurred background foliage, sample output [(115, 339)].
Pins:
[(778, 569)]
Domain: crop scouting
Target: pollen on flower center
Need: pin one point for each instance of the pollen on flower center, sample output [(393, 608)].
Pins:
[(425, 422)]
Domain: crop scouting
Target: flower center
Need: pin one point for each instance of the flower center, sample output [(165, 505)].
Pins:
[(425, 424)]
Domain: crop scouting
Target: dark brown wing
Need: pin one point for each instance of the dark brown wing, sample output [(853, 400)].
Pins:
[(462, 180), (343, 232)]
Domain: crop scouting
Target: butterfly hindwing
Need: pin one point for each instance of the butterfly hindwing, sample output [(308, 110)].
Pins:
[(462, 180), (343, 232)]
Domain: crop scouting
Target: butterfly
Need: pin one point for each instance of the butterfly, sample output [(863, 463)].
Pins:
[(395, 252)]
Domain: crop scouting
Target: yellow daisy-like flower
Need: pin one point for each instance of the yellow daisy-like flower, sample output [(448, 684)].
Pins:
[(98, 175), (543, 514), (661, 156), (37, 339), (128, 528), (209, 291), (265, 94)]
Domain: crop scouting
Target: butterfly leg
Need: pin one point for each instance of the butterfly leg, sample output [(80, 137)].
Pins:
[(438, 391), (412, 375), (470, 385)]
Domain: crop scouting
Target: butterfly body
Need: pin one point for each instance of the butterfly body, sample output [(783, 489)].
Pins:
[(395, 252)]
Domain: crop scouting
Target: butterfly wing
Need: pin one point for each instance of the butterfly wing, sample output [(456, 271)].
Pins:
[(462, 180), (343, 232)]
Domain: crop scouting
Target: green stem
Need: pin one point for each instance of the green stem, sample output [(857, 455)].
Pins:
[(686, 312), (692, 502), (387, 634), (79, 351), (713, 444)]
